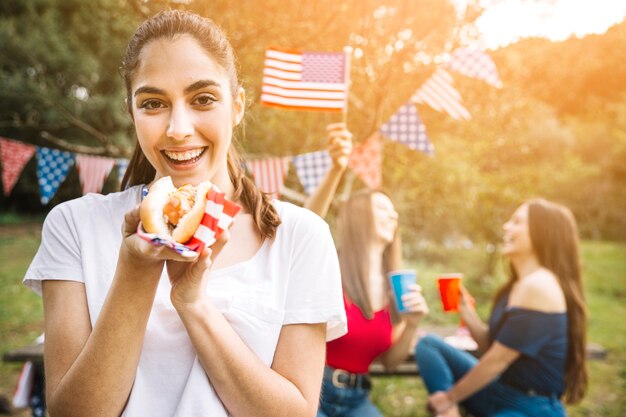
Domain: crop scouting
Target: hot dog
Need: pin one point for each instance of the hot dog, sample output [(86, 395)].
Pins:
[(173, 212)]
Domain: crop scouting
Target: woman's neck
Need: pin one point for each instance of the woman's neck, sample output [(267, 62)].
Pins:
[(525, 265)]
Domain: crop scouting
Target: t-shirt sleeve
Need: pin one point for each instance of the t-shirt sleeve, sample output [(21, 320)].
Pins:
[(525, 331), (58, 256), (314, 292)]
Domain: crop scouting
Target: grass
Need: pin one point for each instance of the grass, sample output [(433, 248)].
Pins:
[(604, 271)]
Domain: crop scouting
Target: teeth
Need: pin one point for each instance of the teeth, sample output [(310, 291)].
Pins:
[(184, 156)]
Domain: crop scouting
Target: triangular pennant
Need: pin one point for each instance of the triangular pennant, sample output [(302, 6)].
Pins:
[(122, 166), (93, 171), (476, 64), (311, 168), (439, 93), (406, 127), (14, 156), (52, 168), (269, 174), (366, 160)]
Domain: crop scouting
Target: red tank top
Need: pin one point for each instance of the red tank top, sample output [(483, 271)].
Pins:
[(365, 340)]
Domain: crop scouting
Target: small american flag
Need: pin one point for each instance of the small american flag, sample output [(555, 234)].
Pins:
[(269, 174), (300, 80), (93, 171), (439, 93)]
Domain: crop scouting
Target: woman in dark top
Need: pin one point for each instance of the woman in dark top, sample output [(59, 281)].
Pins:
[(534, 344)]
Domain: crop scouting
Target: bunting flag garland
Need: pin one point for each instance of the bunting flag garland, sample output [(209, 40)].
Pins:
[(311, 168), (300, 80), (269, 174), (52, 168), (366, 160), (122, 166), (439, 93), (406, 127), (14, 156), (476, 64), (93, 171)]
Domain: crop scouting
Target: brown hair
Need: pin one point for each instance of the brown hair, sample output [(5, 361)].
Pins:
[(554, 238), (355, 232), (170, 24)]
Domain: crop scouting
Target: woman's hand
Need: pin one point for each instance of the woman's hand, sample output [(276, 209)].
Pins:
[(339, 144), (467, 304), (140, 252), (415, 303), (441, 404), (188, 279)]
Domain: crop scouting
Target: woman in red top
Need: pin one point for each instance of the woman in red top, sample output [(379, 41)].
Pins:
[(369, 247)]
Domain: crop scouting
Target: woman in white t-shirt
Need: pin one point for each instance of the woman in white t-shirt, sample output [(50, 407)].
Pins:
[(138, 330)]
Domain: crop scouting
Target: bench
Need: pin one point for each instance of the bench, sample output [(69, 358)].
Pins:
[(34, 354)]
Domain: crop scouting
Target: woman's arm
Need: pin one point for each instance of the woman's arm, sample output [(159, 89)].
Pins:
[(247, 386), (404, 332), (339, 146), (478, 329), (492, 363), (90, 372)]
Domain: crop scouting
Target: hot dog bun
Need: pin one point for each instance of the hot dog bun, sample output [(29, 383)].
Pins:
[(173, 212)]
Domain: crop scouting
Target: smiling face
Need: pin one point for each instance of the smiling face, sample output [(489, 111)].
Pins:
[(516, 240), (184, 111), (385, 217)]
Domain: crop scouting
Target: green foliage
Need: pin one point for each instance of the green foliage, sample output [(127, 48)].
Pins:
[(603, 270), (557, 128)]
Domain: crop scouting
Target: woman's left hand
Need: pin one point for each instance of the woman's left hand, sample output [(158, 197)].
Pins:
[(440, 402), (415, 303), (188, 279)]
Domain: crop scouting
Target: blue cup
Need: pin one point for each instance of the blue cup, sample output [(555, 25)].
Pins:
[(400, 282)]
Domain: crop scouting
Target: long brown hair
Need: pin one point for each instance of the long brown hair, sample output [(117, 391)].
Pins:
[(169, 24), (355, 232), (554, 238)]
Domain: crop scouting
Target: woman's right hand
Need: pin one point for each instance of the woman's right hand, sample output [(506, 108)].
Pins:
[(339, 144), (415, 303), (142, 252)]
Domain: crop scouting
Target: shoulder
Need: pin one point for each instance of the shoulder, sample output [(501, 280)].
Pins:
[(295, 217), (94, 207), (539, 291)]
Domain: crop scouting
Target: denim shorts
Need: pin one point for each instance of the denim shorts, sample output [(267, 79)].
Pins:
[(345, 401)]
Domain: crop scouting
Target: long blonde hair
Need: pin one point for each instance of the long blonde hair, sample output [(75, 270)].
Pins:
[(355, 232), (554, 238), (168, 25)]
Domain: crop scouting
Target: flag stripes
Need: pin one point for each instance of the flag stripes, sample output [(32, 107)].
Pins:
[(304, 80), (439, 93), (93, 171), (269, 174)]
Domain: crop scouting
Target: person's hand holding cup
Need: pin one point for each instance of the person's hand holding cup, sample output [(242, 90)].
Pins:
[(407, 294)]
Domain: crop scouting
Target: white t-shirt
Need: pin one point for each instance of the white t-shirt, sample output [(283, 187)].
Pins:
[(293, 279)]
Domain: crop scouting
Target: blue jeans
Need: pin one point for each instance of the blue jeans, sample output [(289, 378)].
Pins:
[(441, 366), (345, 402)]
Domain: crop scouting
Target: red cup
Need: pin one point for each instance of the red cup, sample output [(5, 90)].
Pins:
[(450, 291)]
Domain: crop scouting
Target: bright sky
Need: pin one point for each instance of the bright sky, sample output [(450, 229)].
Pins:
[(505, 21)]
